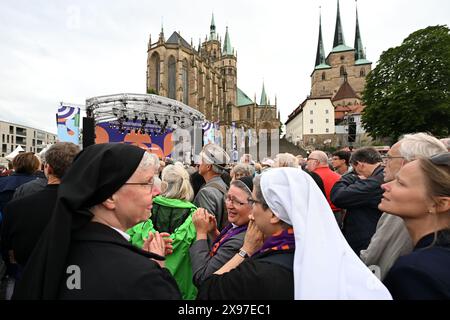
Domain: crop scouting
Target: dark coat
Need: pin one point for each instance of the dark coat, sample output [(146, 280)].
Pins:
[(253, 279), (9, 184), (111, 268), (423, 274), (361, 199), (24, 221)]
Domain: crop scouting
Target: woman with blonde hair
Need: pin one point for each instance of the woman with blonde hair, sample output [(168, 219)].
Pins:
[(172, 215), (420, 195)]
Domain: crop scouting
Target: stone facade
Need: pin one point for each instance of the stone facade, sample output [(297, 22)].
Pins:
[(205, 78)]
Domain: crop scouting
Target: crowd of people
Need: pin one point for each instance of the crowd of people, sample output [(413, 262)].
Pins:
[(115, 222)]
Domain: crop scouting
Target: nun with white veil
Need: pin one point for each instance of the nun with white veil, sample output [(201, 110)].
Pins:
[(323, 266)]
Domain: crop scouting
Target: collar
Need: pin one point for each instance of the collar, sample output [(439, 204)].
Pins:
[(442, 240), (123, 234)]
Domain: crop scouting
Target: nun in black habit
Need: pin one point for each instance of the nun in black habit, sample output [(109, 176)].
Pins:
[(84, 252)]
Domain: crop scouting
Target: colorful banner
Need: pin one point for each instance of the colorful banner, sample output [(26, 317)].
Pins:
[(217, 134), (208, 132), (68, 123), (159, 144)]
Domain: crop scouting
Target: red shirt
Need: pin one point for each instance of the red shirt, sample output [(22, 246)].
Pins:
[(329, 178)]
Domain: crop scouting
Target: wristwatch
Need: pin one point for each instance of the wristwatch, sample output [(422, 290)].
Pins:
[(243, 253)]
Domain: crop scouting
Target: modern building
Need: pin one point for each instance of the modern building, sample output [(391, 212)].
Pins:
[(30, 139)]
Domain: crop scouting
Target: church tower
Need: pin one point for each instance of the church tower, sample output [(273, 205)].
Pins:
[(343, 63), (228, 69)]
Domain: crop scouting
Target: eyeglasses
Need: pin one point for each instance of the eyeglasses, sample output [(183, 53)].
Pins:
[(235, 202), (441, 159), (388, 157), (252, 201), (149, 185), (309, 159)]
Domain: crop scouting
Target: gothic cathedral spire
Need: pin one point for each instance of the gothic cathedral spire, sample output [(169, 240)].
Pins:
[(338, 33), (263, 101), (227, 49), (320, 56), (212, 29), (359, 49)]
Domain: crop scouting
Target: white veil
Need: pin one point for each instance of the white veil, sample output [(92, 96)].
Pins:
[(325, 267)]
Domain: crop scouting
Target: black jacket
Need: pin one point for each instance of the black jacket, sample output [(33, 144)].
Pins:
[(423, 274), (254, 279), (24, 221), (360, 198), (111, 268)]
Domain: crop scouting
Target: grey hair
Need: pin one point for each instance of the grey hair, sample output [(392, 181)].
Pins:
[(420, 145), (149, 160), (285, 160), (243, 168), (178, 183), (321, 156)]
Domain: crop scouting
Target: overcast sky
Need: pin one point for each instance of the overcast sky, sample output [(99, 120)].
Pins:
[(52, 51)]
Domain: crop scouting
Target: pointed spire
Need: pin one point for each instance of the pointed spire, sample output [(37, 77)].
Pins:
[(338, 34), (263, 100), (149, 41), (320, 55), (227, 50), (212, 29), (359, 50), (161, 34)]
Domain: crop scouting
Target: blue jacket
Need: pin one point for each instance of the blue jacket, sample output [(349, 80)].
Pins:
[(423, 274), (9, 184)]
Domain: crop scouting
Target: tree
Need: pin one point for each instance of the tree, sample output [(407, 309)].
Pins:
[(409, 90)]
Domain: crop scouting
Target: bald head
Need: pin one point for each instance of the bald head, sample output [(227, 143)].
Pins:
[(317, 159)]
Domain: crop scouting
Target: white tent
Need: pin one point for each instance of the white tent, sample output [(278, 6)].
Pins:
[(13, 154)]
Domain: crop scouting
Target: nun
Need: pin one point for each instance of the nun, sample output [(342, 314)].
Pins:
[(293, 248), (84, 253)]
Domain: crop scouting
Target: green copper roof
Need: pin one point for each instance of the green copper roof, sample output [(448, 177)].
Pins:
[(338, 33), (212, 29), (263, 100), (227, 50), (320, 55), (322, 66), (359, 50), (362, 61), (341, 48), (242, 98)]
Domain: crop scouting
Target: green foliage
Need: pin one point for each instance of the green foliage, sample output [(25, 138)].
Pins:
[(409, 90)]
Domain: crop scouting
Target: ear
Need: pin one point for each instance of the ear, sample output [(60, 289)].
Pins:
[(49, 168), (442, 204), (274, 219), (110, 203)]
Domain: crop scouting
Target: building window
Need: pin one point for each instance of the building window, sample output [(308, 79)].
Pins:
[(311, 112), (323, 76), (362, 72), (185, 81), (327, 121), (342, 71), (248, 113), (311, 121), (327, 130), (4, 146), (172, 77), (326, 111), (342, 58), (311, 130), (11, 129), (154, 72)]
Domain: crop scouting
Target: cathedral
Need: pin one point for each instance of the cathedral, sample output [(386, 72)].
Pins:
[(205, 78), (331, 113)]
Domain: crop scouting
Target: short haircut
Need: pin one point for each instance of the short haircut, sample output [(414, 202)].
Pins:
[(26, 162), (420, 144), (285, 160), (243, 169), (366, 155), (60, 156), (149, 160), (343, 155), (321, 156)]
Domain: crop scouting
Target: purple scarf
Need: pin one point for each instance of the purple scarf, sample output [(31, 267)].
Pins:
[(283, 240), (226, 234)]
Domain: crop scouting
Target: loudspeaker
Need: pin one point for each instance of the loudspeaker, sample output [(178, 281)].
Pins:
[(88, 131)]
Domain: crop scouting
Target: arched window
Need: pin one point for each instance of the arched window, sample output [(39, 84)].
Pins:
[(171, 79), (154, 73), (323, 76), (362, 72), (185, 80), (249, 114), (342, 71)]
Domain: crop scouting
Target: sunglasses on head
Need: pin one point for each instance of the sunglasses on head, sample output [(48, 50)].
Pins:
[(441, 159)]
